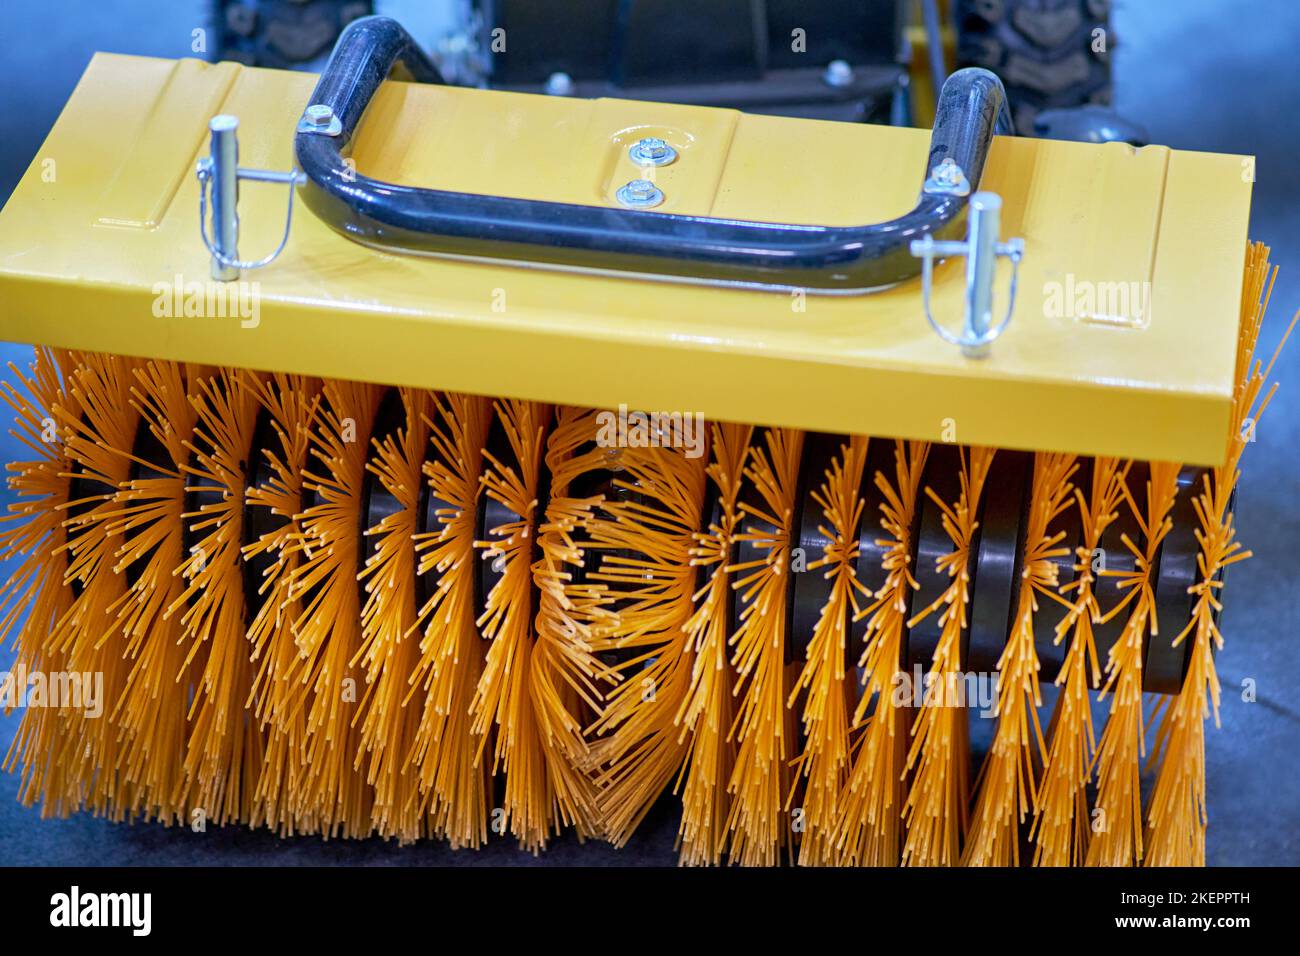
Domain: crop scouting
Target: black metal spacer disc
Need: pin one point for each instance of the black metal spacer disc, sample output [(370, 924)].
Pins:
[(870, 567), (1051, 654), (809, 589), (492, 513), (377, 502), (943, 476), (258, 519), (1165, 665), (150, 458), (427, 522), (996, 589), (1117, 557)]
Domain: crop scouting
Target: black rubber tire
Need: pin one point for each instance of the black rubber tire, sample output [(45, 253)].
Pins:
[(283, 33), (1042, 49)]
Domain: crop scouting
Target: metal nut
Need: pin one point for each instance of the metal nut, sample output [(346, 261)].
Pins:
[(839, 74), (559, 84), (651, 151), (947, 178), (318, 114), (947, 172), (320, 118), (639, 194)]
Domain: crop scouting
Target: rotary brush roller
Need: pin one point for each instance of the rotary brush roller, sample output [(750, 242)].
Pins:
[(419, 609)]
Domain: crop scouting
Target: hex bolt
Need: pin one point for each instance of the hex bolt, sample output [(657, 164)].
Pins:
[(947, 178), (559, 84), (839, 74), (947, 173), (651, 151), (640, 194), (318, 114)]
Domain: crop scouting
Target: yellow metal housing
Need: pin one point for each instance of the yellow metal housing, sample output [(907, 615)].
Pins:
[(1122, 341)]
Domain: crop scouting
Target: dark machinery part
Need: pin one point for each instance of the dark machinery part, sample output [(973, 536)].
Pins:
[(762, 56), (283, 33), (1089, 124), (1049, 53)]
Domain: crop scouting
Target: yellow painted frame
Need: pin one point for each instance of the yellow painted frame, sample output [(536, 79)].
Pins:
[(106, 218)]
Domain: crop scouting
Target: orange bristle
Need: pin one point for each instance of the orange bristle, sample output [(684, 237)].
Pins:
[(540, 796), (388, 650), (1006, 783), (224, 752), (34, 533), (1119, 830), (98, 440), (445, 751), (152, 709), (292, 402), (824, 762), (936, 806), (195, 537), (643, 537), (707, 711), (565, 674), (871, 826), (1061, 819), (1176, 816), (328, 628), (763, 727)]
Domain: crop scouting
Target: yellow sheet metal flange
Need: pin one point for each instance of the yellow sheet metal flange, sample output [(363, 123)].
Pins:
[(1122, 340)]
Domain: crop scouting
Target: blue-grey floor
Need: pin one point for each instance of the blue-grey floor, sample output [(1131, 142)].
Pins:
[(1201, 74)]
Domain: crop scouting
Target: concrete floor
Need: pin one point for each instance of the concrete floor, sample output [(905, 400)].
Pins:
[(1200, 74)]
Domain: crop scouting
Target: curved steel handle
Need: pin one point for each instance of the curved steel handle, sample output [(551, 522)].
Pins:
[(972, 108)]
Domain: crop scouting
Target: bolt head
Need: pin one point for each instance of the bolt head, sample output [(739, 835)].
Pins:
[(640, 193), (653, 147), (838, 73), (318, 114), (652, 151), (559, 84)]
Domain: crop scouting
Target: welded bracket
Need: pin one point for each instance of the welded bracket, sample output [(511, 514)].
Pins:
[(219, 174), (982, 250)]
